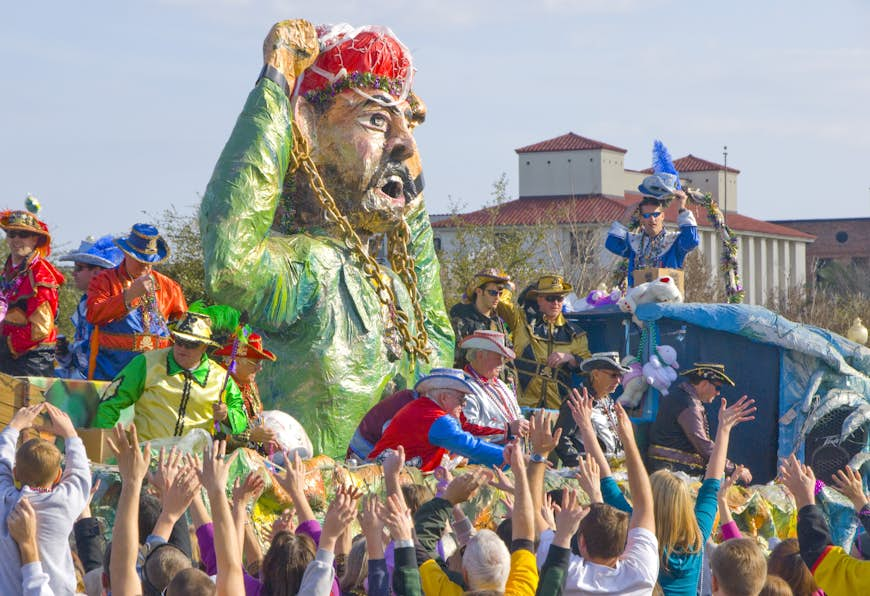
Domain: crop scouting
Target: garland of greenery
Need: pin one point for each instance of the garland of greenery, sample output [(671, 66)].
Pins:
[(357, 80)]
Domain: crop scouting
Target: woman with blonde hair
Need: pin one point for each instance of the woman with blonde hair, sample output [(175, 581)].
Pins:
[(682, 528)]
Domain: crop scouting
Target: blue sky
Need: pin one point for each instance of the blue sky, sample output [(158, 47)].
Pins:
[(111, 110)]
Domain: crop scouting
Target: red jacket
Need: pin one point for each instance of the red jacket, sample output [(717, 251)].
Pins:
[(106, 296), (31, 298), (412, 427)]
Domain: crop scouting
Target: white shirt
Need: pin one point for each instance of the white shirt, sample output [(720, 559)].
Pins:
[(492, 404), (635, 573)]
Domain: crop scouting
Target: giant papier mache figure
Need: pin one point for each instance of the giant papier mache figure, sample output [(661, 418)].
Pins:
[(320, 164)]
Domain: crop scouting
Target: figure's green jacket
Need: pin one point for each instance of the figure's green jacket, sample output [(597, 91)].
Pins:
[(307, 291)]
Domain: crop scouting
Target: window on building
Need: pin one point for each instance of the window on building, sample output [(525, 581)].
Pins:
[(437, 243), (842, 237)]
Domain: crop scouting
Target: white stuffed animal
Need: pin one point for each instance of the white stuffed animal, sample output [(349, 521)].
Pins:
[(661, 290), (633, 384), (288, 433), (661, 370)]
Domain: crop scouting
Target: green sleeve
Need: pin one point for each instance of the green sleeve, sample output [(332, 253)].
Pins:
[(428, 271), (124, 391), (244, 264), (235, 407), (429, 523)]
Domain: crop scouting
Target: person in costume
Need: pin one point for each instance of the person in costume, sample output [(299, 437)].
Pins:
[(249, 356), (602, 372), (653, 246), (322, 159), (91, 258), (479, 309), (494, 402), (433, 425), (372, 426), (550, 347), (28, 296), (680, 436), (176, 389), (131, 305)]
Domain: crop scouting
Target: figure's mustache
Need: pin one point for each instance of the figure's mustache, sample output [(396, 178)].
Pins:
[(394, 179)]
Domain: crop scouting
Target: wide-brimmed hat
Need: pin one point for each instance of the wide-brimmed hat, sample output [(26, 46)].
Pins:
[(710, 371), (26, 221), (252, 349), (444, 378), (100, 253), (487, 276), (194, 326), (145, 244), (549, 284), (491, 341), (604, 360)]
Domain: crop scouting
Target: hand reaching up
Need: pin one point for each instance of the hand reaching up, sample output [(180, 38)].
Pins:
[(568, 518), (25, 416), (21, 523), (851, 485), (394, 461), (341, 512), (60, 424), (249, 490), (177, 498), (215, 468), (398, 519), (168, 466), (132, 461), (624, 428), (581, 408), (740, 412), (293, 479), (463, 487), (589, 476), (541, 434), (799, 480)]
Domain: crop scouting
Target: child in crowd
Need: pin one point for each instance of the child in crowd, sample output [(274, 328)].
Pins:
[(57, 495), (739, 568)]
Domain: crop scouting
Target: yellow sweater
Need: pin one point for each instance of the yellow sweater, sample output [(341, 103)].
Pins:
[(522, 579)]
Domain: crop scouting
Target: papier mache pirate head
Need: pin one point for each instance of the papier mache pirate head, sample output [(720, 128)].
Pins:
[(355, 108)]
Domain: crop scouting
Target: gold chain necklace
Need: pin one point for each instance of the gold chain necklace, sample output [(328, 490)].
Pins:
[(400, 260)]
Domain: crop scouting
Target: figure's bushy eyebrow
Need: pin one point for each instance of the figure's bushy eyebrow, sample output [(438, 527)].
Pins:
[(375, 101)]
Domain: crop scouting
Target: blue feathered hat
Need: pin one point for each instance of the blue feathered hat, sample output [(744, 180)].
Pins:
[(145, 244), (665, 179), (102, 253)]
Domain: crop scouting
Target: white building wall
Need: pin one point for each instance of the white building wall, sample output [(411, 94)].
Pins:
[(559, 173)]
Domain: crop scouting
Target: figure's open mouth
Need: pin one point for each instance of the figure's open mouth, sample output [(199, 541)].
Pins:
[(395, 189)]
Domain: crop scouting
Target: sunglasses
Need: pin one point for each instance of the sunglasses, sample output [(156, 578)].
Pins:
[(19, 234), (554, 298), (653, 214), (187, 344), (495, 293)]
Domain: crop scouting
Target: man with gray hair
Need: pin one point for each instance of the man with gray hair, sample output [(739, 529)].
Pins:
[(494, 402), (433, 425)]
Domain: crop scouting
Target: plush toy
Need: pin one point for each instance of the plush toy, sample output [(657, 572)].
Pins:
[(661, 370), (633, 383), (594, 299), (661, 290), (289, 434)]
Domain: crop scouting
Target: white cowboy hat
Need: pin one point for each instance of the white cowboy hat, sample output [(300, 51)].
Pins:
[(491, 341), (443, 378)]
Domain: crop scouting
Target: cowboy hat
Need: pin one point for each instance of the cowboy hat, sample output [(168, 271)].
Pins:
[(549, 284), (145, 244), (100, 253), (604, 360), (487, 276), (491, 341), (443, 378), (709, 371), (252, 349), (194, 326)]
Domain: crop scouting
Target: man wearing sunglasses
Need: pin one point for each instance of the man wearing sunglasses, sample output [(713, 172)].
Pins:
[(549, 347), (680, 436), (478, 309), (652, 245), (176, 389)]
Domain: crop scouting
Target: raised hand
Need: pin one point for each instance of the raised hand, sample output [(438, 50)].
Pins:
[(398, 519), (291, 46), (500, 481), (249, 490), (568, 518), (168, 465), (24, 417), (581, 408), (59, 422), (589, 476), (293, 478), (548, 511), (180, 493), (21, 523), (799, 479), (463, 487), (132, 462), (394, 461), (623, 424), (740, 412), (371, 517), (851, 485), (215, 468), (541, 434), (341, 512)]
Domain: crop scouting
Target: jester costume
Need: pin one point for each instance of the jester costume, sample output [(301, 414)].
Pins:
[(307, 291)]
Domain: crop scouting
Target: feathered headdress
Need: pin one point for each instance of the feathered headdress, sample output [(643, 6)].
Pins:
[(26, 221), (225, 320), (665, 179)]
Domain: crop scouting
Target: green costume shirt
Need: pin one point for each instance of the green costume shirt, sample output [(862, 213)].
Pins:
[(170, 400), (307, 291)]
